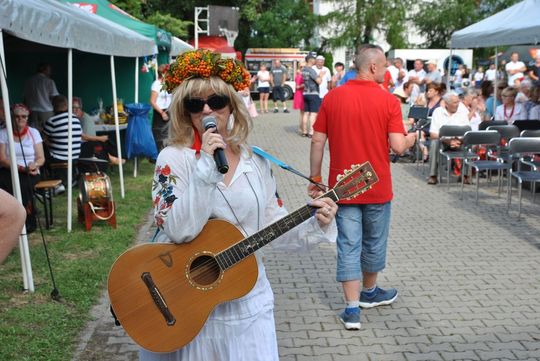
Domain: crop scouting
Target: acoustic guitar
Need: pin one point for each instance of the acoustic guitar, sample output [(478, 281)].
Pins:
[(163, 293)]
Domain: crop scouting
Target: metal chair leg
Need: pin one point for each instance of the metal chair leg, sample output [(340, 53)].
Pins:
[(520, 185), (508, 193)]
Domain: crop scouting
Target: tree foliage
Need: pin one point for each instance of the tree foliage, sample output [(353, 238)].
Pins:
[(156, 15), (355, 22), (438, 19), (286, 23)]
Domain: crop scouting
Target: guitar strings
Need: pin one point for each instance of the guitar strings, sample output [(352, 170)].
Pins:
[(210, 265), (303, 211)]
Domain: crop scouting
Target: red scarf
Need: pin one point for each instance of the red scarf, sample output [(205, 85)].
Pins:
[(196, 141), (21, 133)]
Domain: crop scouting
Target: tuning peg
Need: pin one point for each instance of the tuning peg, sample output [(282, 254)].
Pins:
[(348, 171), (355, 166), (340, 177), (368, 174)]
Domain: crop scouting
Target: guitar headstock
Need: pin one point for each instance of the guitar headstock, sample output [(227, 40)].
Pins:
[(355, 181)]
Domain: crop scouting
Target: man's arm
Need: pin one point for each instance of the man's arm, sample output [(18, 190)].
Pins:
[(316, 154), (399, 142)]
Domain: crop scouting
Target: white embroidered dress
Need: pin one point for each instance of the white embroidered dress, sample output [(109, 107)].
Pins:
[(186, 195)]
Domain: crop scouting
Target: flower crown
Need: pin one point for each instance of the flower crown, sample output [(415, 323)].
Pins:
[(203, 63)]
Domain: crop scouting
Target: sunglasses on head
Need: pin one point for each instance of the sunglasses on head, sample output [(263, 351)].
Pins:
[(215, 102)]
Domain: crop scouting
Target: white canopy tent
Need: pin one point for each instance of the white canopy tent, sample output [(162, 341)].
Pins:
[(179, 46), (59, 25), (519, 24)]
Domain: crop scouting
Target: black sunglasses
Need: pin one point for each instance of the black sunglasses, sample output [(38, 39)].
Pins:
[(215, 102)]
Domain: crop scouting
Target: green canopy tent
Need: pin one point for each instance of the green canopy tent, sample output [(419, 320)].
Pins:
[(161, 38)]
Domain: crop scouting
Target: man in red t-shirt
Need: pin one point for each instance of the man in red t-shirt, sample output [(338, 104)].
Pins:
[(361, 122)]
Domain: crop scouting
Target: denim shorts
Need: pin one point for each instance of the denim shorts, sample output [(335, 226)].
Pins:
[(362, 239), (312, 103)]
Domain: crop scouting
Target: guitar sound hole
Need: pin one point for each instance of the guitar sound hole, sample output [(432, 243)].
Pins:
[(204, 270)]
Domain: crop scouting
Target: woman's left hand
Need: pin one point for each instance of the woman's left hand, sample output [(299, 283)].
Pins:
[(326, 210)]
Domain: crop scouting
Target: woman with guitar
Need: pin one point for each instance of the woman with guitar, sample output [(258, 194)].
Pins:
[(189, 193)]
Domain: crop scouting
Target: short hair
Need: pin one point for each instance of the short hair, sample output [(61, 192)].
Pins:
[(181, 129), (43, 66), (439, 88), (78, 100), (510, 91), (365, 53), (398, 59), (448, 97), (339, 63), (59, 103)]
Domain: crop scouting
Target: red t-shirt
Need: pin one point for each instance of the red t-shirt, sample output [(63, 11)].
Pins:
[(357, 117)]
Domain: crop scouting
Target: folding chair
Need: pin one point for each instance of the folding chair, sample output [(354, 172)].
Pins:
[(445, 133), (523, 147), (529, 133), (421, 121), (489, 123), (507, 132), (490, 139)]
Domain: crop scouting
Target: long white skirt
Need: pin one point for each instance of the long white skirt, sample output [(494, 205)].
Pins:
[(247, 339)]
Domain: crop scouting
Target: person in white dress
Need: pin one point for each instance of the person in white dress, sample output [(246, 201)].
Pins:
[(188, 190)]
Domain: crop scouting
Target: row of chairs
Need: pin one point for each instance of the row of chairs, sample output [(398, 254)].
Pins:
[(515, 152)]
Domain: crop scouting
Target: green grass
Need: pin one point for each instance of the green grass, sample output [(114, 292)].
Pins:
[(32, 325)]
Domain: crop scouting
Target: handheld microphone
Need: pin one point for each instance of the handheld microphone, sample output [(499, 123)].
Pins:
[(219, 155)]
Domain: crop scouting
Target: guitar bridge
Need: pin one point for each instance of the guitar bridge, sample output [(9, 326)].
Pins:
[(158, 299)]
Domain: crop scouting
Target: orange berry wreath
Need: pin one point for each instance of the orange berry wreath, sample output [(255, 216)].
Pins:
[(203, 63)]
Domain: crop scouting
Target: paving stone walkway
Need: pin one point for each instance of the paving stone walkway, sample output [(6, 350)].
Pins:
[(468, 276)]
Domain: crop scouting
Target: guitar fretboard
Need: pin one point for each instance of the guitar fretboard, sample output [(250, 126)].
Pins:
[(247, 246)]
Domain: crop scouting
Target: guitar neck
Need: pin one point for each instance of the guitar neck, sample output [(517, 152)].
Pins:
[(256, 241)]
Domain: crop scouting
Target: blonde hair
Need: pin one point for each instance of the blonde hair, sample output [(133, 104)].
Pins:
[(181, 129), (509, 91)]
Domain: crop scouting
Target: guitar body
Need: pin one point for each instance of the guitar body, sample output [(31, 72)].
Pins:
[(163, 293)]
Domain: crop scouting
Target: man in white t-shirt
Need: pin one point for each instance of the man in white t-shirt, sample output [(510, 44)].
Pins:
[(417, 74), (515, 69), (491, 73), (449, 114), (402, 75), (39, 90), (324, 73)]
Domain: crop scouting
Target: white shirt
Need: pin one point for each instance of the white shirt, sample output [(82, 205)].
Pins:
[(514, 65), (187, 192), (263, 79), (323, 87), (418, 74), (534, 113), (38, 91), (28, 141), (510, 114), (491, 74), (163, 99), (458, 76), (394, 72), (442, 117), (478, 76), (405, 78)]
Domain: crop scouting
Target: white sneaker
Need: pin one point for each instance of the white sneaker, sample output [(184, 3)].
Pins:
[(59, 190)]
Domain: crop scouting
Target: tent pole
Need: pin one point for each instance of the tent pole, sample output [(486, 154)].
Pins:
[(135, 163), (496, 78), (117, 127), (448, 73), (70, 140), (26, 264)]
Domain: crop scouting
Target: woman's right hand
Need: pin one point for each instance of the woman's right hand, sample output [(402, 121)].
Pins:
[(165, 116), (211, 141)]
